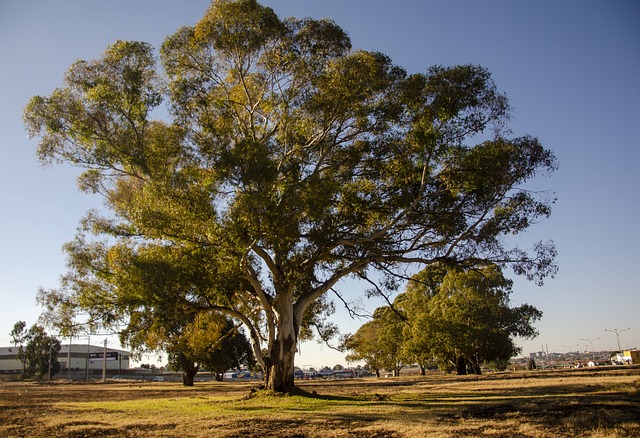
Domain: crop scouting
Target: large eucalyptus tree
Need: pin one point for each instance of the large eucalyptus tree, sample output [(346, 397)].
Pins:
[(289, 161)]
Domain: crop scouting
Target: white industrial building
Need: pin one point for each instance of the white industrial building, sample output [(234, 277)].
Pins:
[(76, 361)]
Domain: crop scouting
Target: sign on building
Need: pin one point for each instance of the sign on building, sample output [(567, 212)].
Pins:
[(111, 355)]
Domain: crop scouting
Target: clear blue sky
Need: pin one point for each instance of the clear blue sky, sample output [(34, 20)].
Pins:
[(571, 70)]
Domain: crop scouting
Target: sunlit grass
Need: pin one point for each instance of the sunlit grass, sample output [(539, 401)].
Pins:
[(217, 406), (538, 405)]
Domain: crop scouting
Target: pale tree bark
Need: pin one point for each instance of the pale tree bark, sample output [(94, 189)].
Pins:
[(281, 360)]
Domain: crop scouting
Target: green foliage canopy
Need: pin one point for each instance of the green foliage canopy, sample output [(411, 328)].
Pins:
[(378, 342), (452, 314), (39, 354), (208, 342)]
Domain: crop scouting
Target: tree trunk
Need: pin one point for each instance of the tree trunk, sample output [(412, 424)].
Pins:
[(423, 370), (280, 375), (189, 376), (461, 366), (475, 365), (280, 363), (189, 373)]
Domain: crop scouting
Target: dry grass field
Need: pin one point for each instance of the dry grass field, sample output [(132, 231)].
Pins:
[(587, 403)]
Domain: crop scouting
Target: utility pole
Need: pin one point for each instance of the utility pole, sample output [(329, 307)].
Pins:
[(104, 361), (50, 348), (86, 359), (617, 332), (69, 360)]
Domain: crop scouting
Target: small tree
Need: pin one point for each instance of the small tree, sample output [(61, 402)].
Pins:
[(233, 351), (390, 339), (210, 343), (363, 346), (420, 346), (464, 317), (378, 342), (18, 338), (39, 356)]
